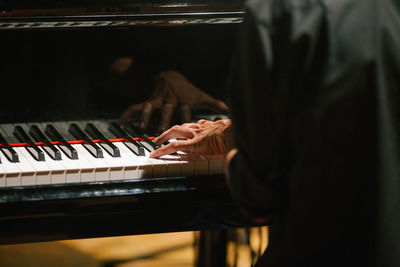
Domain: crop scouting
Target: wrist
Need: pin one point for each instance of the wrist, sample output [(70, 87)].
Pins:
[(230, 154), (227, 136)]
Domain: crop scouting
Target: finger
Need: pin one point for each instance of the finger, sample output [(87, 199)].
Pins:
[(129, 113), (174, 132), (214, 104), (201, 121), (191, 125), (186, 113), (184, 146), (159, 84), (167, 112), (146, 114)]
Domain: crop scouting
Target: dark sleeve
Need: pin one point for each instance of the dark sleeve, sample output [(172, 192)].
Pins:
[(270, 58), (254, 171)]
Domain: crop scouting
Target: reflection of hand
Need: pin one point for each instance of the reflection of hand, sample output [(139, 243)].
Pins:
[(172, 90), (203, 138)]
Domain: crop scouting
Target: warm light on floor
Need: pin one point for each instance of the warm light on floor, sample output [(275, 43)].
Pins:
[(155, 250)]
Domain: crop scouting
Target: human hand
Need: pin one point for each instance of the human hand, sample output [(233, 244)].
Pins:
[(202, 138), (172, 91)]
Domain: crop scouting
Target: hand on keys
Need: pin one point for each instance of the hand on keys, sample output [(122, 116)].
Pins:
[(202, 138)]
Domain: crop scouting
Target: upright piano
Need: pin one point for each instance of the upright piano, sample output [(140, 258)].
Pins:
[(67, 170)]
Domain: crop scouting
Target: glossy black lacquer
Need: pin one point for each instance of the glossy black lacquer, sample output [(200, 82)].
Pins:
[(43, 213), (108, 13)]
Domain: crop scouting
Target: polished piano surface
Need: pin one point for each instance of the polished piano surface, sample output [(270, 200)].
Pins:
[(67, 170)]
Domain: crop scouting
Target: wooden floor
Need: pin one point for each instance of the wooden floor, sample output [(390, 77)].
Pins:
[(156, 250)]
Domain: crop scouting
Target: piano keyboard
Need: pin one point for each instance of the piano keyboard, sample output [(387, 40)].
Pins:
[(86, 151)]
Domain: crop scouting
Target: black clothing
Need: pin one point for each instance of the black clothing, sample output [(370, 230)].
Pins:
[(315, 108)]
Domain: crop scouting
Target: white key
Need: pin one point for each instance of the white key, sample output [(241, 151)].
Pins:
[(58, 172), (159, 166), (42, 171), (101, 168), (12, 173), (72, 169), (164, 166), (194, 164), (27, 171), (173, 165), (131, 163), (116, 166), (200, 166), (186, 165), (87, 169), (135, 167), (215, 164), (64, 150)]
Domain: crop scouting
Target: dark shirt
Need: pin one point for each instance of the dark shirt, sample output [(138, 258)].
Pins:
[(315, 101)]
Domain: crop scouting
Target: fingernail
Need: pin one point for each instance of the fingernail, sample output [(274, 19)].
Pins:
[(153, 154)]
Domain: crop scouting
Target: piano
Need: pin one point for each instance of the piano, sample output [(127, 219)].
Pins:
[(67, 169)]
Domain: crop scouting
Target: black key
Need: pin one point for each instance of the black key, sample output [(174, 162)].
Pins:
[(8, 130), (89, 145), (148, 144), (33, 149), (103, 128), (107, 145), (50, 149), (8, 151), (133, 145), (54, 135)]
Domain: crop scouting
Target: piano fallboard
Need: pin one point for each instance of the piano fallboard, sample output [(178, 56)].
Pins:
[(100, 209), (17, 15)]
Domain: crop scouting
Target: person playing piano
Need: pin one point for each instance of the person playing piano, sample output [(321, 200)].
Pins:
[(313, 140)]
